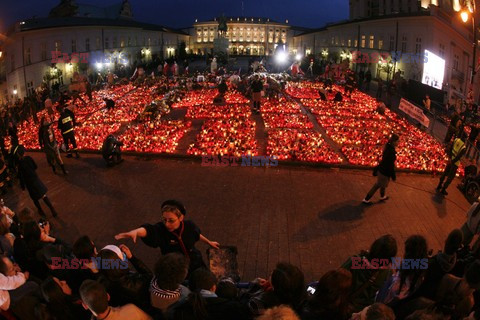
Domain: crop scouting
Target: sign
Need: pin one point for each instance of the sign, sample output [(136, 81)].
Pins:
[(433, 70), (414, 112)]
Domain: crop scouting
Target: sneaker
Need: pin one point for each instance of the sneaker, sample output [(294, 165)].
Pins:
[(366, 201), (383, 198)]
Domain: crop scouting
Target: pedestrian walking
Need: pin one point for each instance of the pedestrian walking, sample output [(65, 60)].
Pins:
[(48, 143), (66, 124), (29, 179), (456, 152), (385, 170)]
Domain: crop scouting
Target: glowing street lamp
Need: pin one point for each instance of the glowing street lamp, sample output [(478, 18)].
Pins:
[(464, 15), (281, 57), (298, 57), (99, 65), (15, 91)]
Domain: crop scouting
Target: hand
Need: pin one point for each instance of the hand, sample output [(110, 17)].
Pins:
[(261, 281), (124, 235), (214, 244), (126, 250), (27, 275)]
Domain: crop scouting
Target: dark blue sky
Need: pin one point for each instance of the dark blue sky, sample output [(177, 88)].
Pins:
[(182, 13)]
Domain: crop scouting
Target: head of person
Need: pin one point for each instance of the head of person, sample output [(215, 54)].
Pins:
[(55, 291), (113, 263), (332, 291), (170, 271), (288, 283), (84, 248), (226, 289), (173, 213), (453, 242), (279, 313), (472, 275), (394, 139), (427, 96), (202, 279), (31, 231), (94, 297), (20, 152), (379, 311), (416, 247), (384, 247), (7, 268), (5, 223)]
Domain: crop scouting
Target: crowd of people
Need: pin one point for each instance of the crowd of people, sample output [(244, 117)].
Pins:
[(44, 277)]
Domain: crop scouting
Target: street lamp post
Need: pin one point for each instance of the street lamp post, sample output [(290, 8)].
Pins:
[(464, 14)]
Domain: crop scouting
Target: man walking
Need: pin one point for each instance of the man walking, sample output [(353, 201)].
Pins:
[(66, 124), (456, 153)]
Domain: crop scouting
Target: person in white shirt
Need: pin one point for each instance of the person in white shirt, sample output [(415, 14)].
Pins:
[(95, 298)]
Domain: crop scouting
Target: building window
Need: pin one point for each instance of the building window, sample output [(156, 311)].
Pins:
[(404, 44), (87, 44), (418, 45), (129, 42), (356, 43), (98, 43), (107, 44), (149, 42), (43, 51), (391, 44), (442, 50), (74, 45), (122, 42), (372, 42), (58, 46), (363, 41), (28, 56), (456, 58), (343, 42), (380, 44), (114, 43), (349, 42)]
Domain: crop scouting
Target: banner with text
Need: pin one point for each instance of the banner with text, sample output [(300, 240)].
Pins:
[(414, 112)]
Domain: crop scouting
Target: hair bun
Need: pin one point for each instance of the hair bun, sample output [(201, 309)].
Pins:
[(177, 204)]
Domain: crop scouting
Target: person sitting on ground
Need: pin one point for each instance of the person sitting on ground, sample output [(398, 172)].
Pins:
[(459, 292), (286, 286), (165, 288), (61, 304), (95, 298), (84, 249), (331, 297), (377, 311), (125, 285), (111, 150), (203, 303), (441, 264), (405, 282), (279, 313), (369, 279)]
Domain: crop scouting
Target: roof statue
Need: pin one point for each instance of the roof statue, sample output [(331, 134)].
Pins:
[(222, 25)]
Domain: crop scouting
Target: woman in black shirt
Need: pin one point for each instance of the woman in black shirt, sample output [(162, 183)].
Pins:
[(172, 234)]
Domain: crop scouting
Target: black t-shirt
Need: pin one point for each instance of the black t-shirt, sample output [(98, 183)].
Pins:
[(159, 237)]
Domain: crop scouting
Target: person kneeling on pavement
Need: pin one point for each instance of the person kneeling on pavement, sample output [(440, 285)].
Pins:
[(111, 150)]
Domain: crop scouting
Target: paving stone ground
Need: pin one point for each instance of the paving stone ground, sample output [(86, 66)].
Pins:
[(308, 216)]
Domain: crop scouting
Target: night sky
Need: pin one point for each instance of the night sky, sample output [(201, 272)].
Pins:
[(182, 13)]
